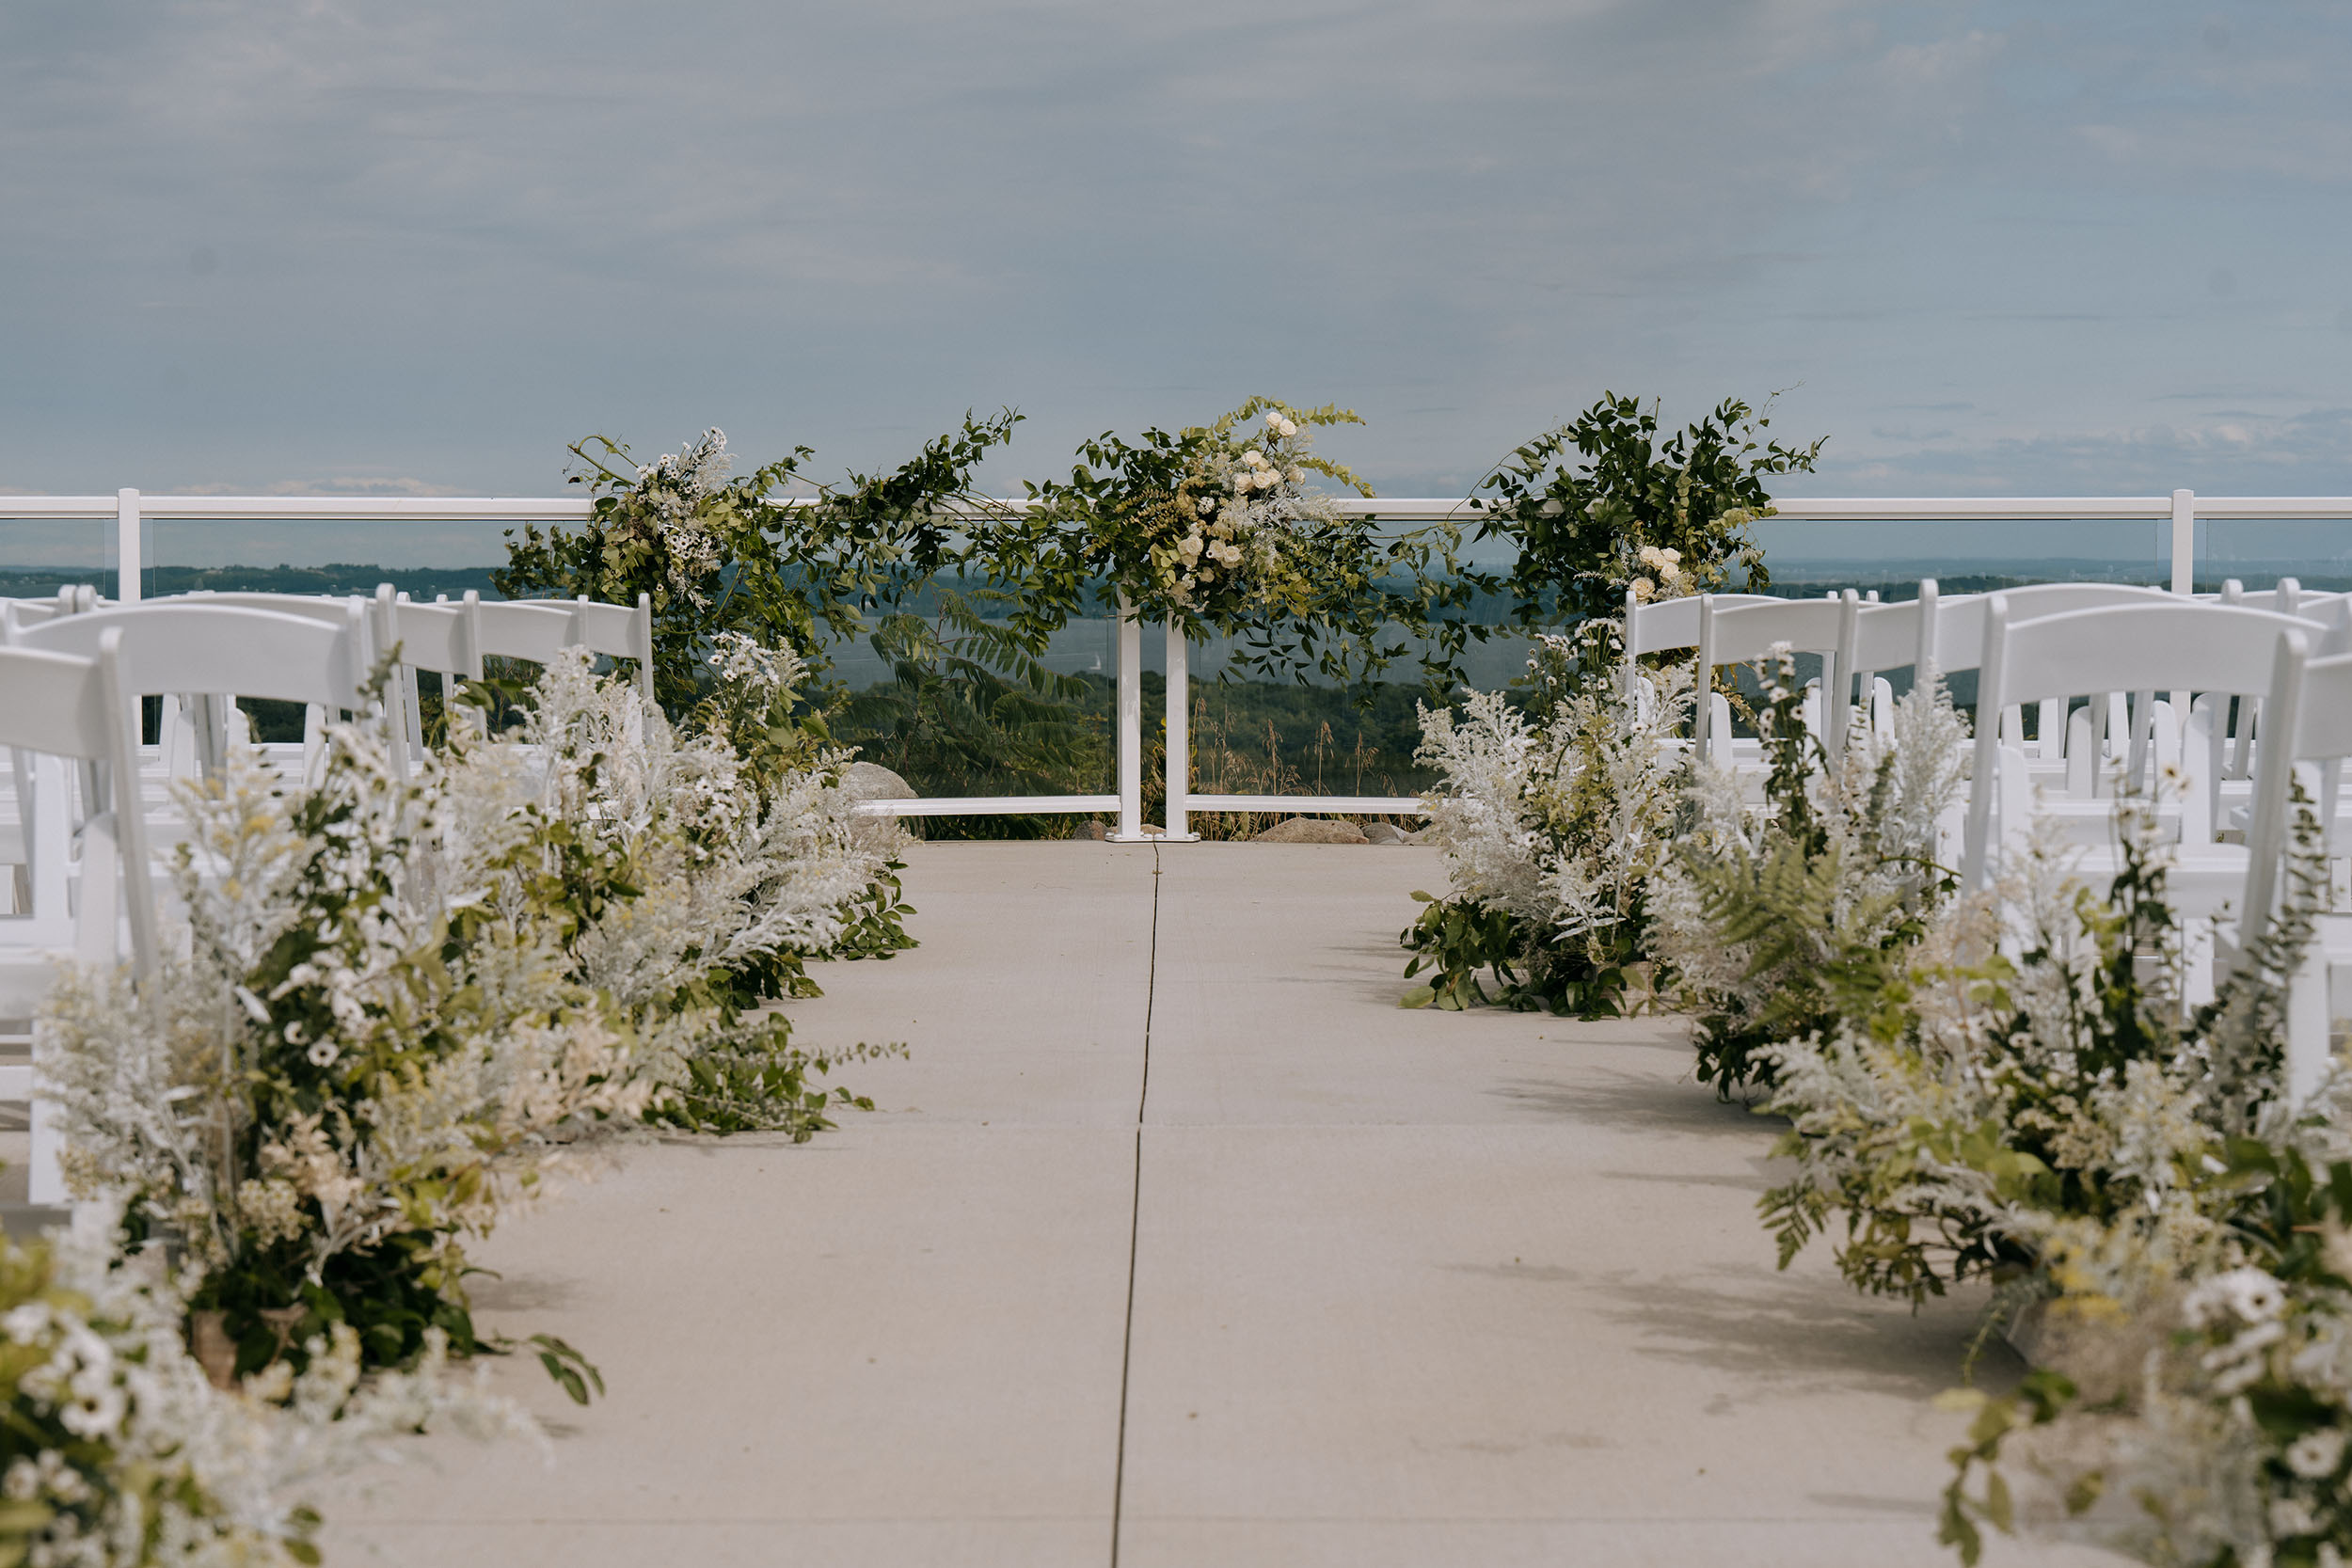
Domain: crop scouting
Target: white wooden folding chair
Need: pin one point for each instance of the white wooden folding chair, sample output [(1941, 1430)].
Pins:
[(1665, 626), (186, 645), (60, 708), (2179, 645), (2307, 733), (617, 631), (376, 627), (1958, 644), (1891, 637), (1743, 633), (16, 780), (436, 637)]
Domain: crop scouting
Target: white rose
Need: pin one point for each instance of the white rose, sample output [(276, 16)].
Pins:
[(1288, 429), (1274, 419), (1643, 589), (2315, 1454), (1242, 478), (1255, 458), (1296, 474), (1190, 548)]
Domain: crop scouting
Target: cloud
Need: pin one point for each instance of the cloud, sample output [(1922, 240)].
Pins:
[(342, 486), (2308, 453), (320, 238)]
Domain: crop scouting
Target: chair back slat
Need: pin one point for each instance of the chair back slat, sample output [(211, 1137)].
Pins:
[(535, 630), (2164, 643), (1959, 633), (189, 646)]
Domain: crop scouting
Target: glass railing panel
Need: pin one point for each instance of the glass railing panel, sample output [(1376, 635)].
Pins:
[(957, 713), (41, 555), (422, 559), (2257, 551)]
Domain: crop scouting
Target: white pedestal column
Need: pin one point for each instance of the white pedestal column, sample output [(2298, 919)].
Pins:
[(1179, 737), (1130, 728)]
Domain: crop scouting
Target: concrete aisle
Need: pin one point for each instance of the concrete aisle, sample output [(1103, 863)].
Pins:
[(898, 1344), (1408, 1288)]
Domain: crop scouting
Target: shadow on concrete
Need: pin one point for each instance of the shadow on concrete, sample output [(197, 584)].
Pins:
[(1756, 1184), (1913, 1507), (1785, 1335), (532, 1293), (1620, 1100)]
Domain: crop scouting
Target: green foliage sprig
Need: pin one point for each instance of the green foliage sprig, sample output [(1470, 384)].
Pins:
[(719, 554), (1582, 503)]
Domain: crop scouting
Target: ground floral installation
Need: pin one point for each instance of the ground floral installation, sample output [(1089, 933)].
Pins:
[(120, 1448), (1553, 831), (399, 1003), (1557, 802), (2002, 1087)]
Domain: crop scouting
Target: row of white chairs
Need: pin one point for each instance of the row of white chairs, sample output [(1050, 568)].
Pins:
[(2104, 668), (85, 805)]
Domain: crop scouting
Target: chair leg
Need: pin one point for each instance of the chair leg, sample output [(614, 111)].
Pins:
[(2310, 1053), (44, 1176), (2197, 963)]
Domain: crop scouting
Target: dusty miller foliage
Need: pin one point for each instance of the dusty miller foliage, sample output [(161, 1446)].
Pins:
[(2007, 1088)]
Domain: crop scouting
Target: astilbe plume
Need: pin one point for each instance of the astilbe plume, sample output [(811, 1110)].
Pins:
[(1767, 915)]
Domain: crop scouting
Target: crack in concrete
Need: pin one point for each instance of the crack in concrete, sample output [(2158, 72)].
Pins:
[(1134, 1217)]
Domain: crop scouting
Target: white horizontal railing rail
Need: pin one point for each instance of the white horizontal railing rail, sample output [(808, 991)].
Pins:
[(2183, 509)]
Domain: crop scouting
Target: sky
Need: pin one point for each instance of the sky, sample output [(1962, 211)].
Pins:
[(263, 246)]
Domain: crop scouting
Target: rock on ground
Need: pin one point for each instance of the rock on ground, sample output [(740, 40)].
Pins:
[(871, 781), (1389, 832), (1314, 830)]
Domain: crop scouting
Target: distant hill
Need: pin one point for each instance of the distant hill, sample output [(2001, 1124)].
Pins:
[(417, 583)]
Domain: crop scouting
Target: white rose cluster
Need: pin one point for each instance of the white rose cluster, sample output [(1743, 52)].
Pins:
[(1666, 578)]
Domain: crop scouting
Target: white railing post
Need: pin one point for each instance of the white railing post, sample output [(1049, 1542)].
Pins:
[(127, 563), (2184, 541), (2184, 571), (1179, 736), (1129, 726)]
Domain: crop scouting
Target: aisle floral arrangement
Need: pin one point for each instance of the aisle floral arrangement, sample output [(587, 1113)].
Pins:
[(2004, 1088), (398, 1001), (1554, 832)]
